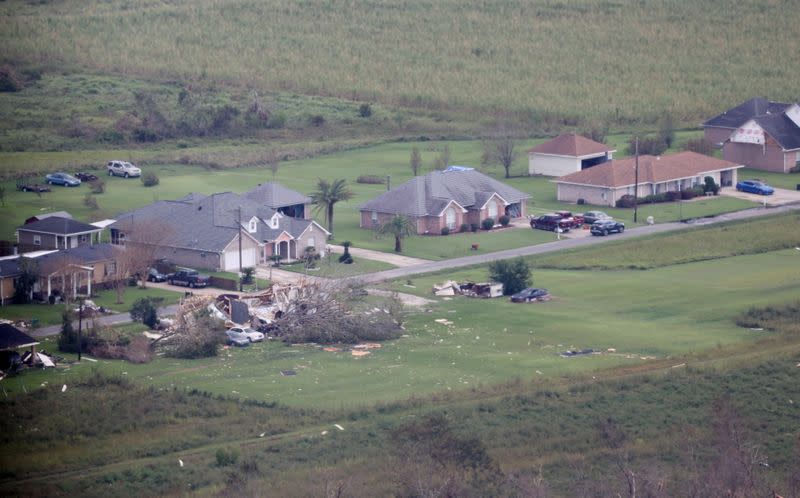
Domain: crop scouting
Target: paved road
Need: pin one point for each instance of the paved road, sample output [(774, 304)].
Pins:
[(115, 319), (565, 244)]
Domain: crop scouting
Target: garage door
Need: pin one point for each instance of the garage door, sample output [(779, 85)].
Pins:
[(249, 258)]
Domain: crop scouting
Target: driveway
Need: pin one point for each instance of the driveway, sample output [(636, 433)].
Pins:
[(781, 197), (394, 259)]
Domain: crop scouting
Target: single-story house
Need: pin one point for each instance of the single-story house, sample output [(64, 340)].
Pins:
[(281, 199), (447, 198), (55, 232), (759, 134), (567, 154), (604, 184), (204, 232)]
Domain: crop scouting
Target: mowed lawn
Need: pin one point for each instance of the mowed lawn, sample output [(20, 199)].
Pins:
[(385, 160), (653, 314)]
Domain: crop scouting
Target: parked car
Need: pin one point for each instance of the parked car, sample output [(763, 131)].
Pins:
[(529, 294), (123, 168), (605, 227), (236, 338), (755, 187), (577, 219), (252, 335), (23, 186), (154, 275), (64, 179), (590, 217), (85, 177), (188, 277), (551, 222)]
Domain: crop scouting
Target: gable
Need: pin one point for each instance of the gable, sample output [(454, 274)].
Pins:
[(749, 133), (793, 113)]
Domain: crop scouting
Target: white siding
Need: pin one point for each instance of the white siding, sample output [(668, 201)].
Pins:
[(539, 164)]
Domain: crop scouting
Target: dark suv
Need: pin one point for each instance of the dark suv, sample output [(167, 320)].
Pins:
[(551, 222), (605, 227)]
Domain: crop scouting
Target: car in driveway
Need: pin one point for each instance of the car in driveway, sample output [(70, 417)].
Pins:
[(529, 294), (123, 169), (590, 217), (551, 222), (577, 219), (189, 278), (236, 338), (252, 335), (754, 187), (154, 275), (605, 227), (61, 178)]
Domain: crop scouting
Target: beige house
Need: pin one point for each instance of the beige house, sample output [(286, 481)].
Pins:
[(604, 184), (567, 154)]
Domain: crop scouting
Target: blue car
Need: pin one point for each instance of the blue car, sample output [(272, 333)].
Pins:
[(755, 187), (64, 179)]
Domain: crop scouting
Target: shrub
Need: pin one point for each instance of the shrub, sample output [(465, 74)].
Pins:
[(68, 339), (278, 120), (487, 224), (673, 195), (504, 220), (199, 340), (365, 110), (248, 275), (317, 120), (97, 186), (514, 274), (473, 227), (653, 145), (346, 258), (144, 310), (626, 201), (10, 81), (90, 201), (795, 169), (227, 457), (371, 179), (149, 179), (581, 201), (710, 185), (700, 145), (445, 230), (464, 227)]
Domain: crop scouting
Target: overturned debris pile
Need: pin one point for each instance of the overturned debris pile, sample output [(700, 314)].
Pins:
[(469, 289)]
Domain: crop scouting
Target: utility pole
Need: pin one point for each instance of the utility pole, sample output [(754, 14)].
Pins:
[(80, 324), (388, 182), (240, 248), (636, 187)]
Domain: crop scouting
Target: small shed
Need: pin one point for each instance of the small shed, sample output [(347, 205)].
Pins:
[(11, 339)]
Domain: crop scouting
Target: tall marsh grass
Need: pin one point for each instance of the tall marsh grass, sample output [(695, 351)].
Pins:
[(626, 61)]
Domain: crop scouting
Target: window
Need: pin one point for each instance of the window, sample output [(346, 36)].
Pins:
[(311, 242), (37, 240), (493, 210), (374, 217), (603, 195), (450, 218), (252, 226), (83, 238), (111, 268)]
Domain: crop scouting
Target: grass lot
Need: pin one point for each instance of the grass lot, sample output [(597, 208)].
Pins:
[(506, 58), (495, 341), (51, 315), (778, 180), (333, 269)]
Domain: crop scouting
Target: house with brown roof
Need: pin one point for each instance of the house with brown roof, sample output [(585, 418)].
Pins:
[(567, 154), (758, 133), (449, 198), (604, 184)]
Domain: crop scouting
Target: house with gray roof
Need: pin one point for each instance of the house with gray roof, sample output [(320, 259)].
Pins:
[(758, 133), (447, 198), (55, 232), (281, 199), (205, 231)]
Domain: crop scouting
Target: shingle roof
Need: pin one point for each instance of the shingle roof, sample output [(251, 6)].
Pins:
[(59, 225), (429, 194), (782, 129), (60, 214), (274, 195), (9, 267), (82, 255), (739, 115), (622, 172), (13, 338), (571, 145)]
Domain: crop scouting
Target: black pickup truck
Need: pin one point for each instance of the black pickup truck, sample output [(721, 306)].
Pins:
[(189, 278)]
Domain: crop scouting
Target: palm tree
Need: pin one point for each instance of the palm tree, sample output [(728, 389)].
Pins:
[(327, 195), (399, 227)]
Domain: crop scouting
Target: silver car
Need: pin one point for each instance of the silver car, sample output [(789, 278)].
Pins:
[(252, 335), (123, 169), (236, 339)]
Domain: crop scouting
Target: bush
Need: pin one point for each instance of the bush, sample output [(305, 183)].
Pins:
[(278, 120), (673, 195), (227, 457), (346, 258), (700, 145), (198, 340), (371, 179), (464, 227), (365, 110), (710, 185), (248, 275), (487, 224), (90, 201), (581, 201), (97, 186), (473, 227), (795, 169), (317, 120), (626, 201), (149, 179), (68, 339), (514, 274), (144, 310), (10, 81), (445, 230), (504, 220)]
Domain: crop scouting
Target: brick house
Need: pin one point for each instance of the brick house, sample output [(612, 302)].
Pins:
[(567, 154), (604, 184), (447, 198), (759, 134)]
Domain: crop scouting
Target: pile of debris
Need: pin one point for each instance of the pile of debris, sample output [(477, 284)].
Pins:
[(469, 289)]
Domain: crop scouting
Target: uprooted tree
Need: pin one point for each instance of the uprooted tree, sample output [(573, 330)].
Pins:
[(337, 313)]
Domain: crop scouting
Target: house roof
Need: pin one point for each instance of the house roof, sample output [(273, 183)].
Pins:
[(9, 267), (81, 255), (59, 225), (274, 195), (782, 129), (13, 338), (739, 115), (60, 214), (571, 145), (622, 172), (428, 195)]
